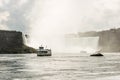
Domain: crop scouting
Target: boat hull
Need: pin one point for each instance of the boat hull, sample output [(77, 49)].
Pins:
[(44, 55), (48, 53)]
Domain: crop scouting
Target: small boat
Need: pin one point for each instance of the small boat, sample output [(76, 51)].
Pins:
[(96, 54), (44, 52)]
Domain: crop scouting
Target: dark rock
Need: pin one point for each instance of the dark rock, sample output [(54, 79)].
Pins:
[(97, 54), (12, 42)]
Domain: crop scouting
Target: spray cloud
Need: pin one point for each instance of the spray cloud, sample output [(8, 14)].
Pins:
[(48, 20)]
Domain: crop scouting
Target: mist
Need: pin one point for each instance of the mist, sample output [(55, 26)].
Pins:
[(51, 20), (47, 21)]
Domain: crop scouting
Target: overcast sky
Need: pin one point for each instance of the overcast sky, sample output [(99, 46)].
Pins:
[(62, 15), (45, 19)]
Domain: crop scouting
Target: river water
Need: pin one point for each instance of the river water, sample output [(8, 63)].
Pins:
[(60, 66)]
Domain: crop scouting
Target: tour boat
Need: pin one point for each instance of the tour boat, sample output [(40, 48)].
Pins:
[(44, 52)]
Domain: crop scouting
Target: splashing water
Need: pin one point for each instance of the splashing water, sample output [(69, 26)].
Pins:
[(89, 44), (64, 44)]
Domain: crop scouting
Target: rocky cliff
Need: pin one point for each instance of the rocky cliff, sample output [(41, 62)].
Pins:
[(12, 42)]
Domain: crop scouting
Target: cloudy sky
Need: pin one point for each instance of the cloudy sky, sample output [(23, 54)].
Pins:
[(51, 17), (62, 15)]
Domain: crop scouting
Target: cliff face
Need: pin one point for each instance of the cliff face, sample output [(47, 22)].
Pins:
[(109, 40), (10, 39), (12, 42)]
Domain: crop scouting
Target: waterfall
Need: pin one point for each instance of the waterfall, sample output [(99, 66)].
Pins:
[(25, 39), (78, 44)]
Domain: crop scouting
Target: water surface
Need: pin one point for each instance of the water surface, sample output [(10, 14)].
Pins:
[(60, 66)]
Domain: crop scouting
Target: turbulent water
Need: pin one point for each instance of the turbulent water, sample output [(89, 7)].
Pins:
[(74, 66)]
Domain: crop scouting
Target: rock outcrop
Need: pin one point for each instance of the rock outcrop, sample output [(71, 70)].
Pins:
[(12, 42)]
